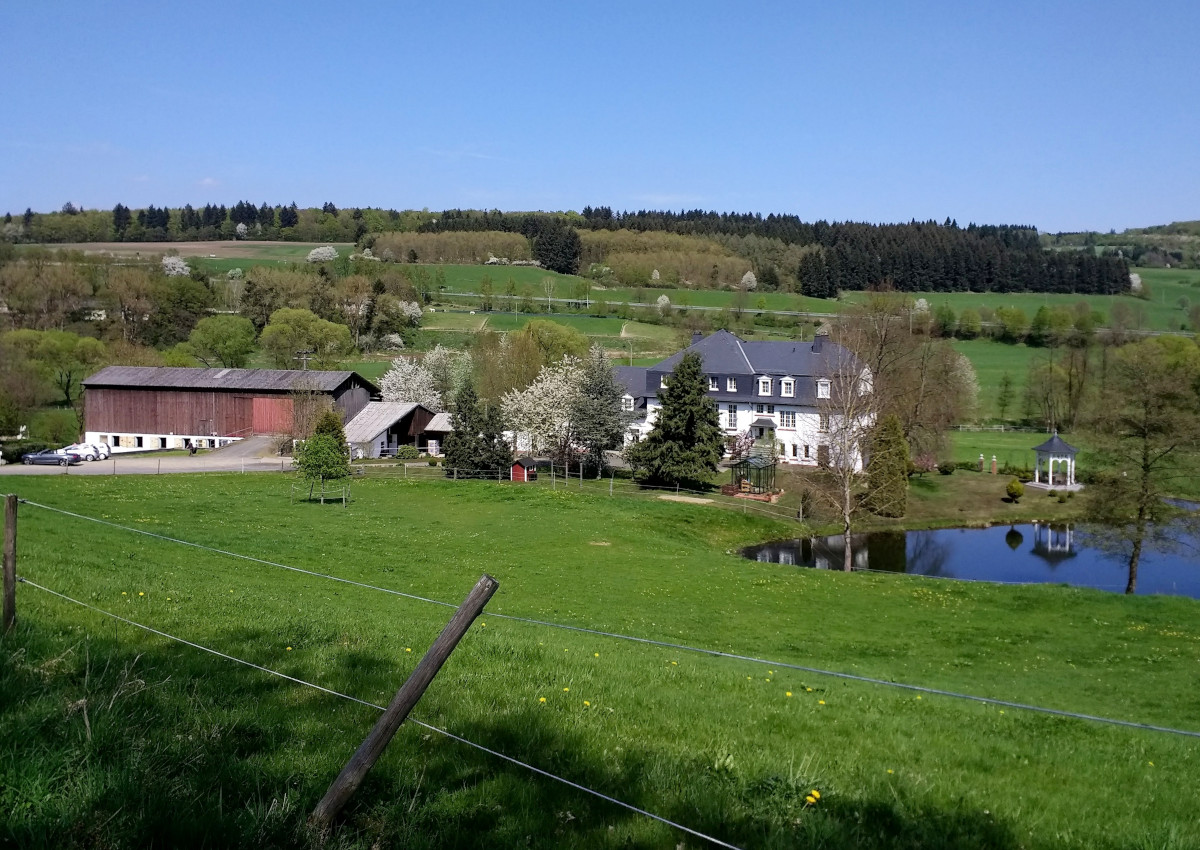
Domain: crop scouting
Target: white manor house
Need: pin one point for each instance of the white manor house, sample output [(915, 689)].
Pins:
[(782, 388)]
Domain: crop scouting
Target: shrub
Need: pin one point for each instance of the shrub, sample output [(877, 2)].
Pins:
[(433, 461), (407, 453), (1015, 490), (1052, 493), (13, 449), (1062, 499), (946, 467)]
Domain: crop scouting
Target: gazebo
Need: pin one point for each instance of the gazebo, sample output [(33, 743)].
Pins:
[(1056, 450)]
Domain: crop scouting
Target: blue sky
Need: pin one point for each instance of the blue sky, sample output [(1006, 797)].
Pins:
[(1064, 115)]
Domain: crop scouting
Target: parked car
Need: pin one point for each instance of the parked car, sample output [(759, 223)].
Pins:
[(50, 457), (87, 451)]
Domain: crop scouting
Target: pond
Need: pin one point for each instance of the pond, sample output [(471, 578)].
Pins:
[(1018, 554)]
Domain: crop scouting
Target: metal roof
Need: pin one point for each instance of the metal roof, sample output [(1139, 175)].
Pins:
[(1056, 445), (182, 378), (441, 422), (376, 418)]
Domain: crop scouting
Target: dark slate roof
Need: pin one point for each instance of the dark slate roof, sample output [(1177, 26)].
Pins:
[(722, 353), (634, 379), (266, 380), (1056, 445), (725, 354), (764, 422)]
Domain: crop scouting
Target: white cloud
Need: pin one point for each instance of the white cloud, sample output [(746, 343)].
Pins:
[(207, 181)]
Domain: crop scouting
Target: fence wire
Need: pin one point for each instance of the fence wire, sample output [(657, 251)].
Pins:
[(652, 642), (598, 794)]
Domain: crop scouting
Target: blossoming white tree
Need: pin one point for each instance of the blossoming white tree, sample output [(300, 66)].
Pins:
[(749, 281), (541, 412), (450, 369), (322, 254), (175, 267), (408, 380), (664, 305)]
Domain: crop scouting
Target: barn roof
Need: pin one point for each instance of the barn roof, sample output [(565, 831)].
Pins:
[(182, 378), (441, 422), (376, 418)]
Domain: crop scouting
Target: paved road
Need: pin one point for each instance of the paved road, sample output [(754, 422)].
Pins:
[(152, 465)]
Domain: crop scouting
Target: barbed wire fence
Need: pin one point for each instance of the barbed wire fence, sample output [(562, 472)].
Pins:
[(530, 621)]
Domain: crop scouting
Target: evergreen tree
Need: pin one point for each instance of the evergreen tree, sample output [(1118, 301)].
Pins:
[(597, 416), (887, 470), (686, 443), (122, 218), (476, 446), (557, 247)]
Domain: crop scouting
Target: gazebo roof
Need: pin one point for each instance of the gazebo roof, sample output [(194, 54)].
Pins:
[(1056, 445), (755, 462)]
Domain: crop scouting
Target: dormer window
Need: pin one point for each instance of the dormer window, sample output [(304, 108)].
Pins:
[(787, 388), (822, 388), (712, 385), (731, 385), (764, 386), (627, 403)]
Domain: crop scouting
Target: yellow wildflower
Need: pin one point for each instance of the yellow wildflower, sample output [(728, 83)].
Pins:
[(566, 689), (789, 693), (890, 770), (810, 799), (543, 699), (585, 702), (140, 593), (820, 702), (816, 793)]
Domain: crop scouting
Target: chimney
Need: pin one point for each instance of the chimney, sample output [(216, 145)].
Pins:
[(819, 342), (696, 337)]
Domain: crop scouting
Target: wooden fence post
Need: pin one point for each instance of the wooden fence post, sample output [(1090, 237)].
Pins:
[(10, 561), (369, 751)]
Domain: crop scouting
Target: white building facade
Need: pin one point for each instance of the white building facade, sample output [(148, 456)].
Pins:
[(779, 390)]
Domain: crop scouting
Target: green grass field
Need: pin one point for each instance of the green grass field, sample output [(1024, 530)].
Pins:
[(119, 738)]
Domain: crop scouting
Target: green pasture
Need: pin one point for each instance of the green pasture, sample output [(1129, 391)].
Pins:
[(991, 361), (118, 737)]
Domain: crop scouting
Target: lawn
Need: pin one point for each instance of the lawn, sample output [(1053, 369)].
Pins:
[(115, 736)]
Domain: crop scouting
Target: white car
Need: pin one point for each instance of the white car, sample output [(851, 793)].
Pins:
[(87, 451)]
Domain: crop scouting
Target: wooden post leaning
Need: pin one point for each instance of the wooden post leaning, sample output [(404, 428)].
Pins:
[(372, 747), (10, 561)]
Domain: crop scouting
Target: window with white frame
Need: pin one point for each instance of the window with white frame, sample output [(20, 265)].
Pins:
[(662, 382), (822, 388), (807, 452), (764, 386), (712, 385), (731, 416), (731, 385), (627, 403), (787, 419), (824, 426), (787, 388)]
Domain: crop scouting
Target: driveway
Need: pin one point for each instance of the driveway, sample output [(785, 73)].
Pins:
[(149, 464)]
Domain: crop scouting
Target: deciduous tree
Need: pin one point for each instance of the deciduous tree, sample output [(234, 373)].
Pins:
[(222, 340)]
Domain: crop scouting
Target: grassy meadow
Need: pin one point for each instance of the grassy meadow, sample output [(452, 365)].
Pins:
[(116, 737)]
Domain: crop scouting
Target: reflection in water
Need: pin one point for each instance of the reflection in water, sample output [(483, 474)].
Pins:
[(1014, 539), (929, 554), (1019, 554)]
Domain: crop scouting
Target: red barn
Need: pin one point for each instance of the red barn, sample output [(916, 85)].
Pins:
[(149, 407)]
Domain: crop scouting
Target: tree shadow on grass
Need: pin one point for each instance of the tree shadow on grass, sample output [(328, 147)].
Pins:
[(171, 747)]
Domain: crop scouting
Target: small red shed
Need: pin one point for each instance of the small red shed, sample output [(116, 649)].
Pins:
[(523, 469)]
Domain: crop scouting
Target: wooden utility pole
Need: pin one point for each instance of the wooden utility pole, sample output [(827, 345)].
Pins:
[(376, 742), (10, 561)]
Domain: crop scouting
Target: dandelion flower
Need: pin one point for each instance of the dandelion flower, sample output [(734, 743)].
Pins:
[(675, 663), (289, 649), (820, 702), (408, 649), (890, 770), (918, 696), (585, 702), (789, 693), (597, 654), (816, 793), (809, 690), (810, 799), (768, 680), (140, 593), (566, 689), (543, 699), (123, 593)]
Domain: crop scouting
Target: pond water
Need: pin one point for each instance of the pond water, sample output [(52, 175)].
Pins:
[(1017, 554)]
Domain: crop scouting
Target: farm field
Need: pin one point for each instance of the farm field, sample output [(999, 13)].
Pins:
[(118, 735)]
